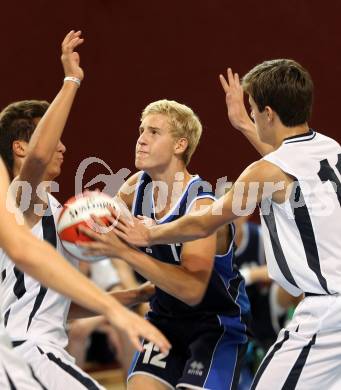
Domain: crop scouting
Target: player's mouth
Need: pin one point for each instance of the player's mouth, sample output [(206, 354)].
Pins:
[(141, 153)]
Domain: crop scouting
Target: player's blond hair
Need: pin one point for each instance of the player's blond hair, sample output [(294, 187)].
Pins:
[(183, 121)]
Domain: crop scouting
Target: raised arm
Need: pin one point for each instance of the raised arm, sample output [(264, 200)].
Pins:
[(237, 113), (30, 254), (48, 132)]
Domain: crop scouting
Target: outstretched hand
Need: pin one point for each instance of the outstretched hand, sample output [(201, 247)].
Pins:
[(134, 231), (70, 58), (236, 110), (104, 240), (137, 328)]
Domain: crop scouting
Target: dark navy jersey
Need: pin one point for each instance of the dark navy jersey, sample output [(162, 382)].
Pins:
[(225, 295)]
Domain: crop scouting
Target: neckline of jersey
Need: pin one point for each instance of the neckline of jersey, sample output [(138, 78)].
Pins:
[(170, 212), (300, 137)]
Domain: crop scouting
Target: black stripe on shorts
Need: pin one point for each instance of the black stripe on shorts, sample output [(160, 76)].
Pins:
[(10, 382), (294, 375), (36, 379), (88, 383), (267, 360)]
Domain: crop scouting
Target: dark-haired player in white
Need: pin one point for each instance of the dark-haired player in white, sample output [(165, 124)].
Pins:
[(298, 185), (34, 315)]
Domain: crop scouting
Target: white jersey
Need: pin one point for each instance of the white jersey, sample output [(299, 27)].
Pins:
[(14, 372), (30, 311), (302, 236)]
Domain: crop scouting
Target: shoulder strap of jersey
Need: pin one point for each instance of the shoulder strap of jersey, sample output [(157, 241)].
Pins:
[(142, 183)]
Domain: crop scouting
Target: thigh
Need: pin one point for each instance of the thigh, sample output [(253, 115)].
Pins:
[(56, 373), (15, 373), (302, 362), (151, 365), (214, 362)]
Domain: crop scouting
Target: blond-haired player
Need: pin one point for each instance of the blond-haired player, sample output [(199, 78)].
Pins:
[(200, 302)]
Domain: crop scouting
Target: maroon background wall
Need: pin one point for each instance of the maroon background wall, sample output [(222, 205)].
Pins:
[(139, 51)]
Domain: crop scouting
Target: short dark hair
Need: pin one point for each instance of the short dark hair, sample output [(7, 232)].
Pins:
[(285, 86), (17, 123)]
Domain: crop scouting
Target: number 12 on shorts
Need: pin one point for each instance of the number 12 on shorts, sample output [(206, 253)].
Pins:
[(158, 359)]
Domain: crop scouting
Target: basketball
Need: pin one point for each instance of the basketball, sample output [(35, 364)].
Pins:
[(77, 211)]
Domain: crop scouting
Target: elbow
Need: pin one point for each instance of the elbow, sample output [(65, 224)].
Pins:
[(39, 157), (205, 231), (193, 297), (39, 160)]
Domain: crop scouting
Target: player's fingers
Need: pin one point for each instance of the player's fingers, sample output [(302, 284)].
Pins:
[(98, 220), (88, 232), (124, 221), (67, 37), (78, 43), (111, 219), (236, 79), (136, 342), (74, 43), (230, 77), (159, 339), (224, 83), (120, 234), (114, 212), (122, 227), (67, 45)]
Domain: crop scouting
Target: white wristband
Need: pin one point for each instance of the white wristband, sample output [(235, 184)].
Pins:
[(73, 79)]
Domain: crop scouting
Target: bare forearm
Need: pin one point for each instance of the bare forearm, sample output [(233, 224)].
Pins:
[(50, 128), (72, 284), (125, 297), (175, 280), (188, 228)]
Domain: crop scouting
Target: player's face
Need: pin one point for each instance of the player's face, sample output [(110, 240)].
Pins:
[(260, 119), (54, 167), (155, 145)]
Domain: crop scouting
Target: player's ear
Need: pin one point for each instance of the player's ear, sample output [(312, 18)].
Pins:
[(269, 113), (19, 148), (181, 145)]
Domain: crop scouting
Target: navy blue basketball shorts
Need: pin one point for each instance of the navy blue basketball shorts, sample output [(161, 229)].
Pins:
[(205, 353)]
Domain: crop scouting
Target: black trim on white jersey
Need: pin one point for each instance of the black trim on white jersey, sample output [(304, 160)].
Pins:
[(267, 360), (277, 248), (305, 228), (294, 374), (3, 275), (49, 230), (19, 288), (37, 303), (309, 135), (50, 235), (6, 317)]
